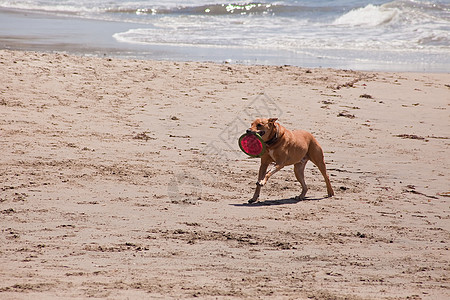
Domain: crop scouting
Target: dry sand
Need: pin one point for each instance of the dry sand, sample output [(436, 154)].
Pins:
[(122, 179)]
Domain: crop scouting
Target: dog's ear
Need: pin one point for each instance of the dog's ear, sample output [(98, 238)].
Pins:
[(272, 120)]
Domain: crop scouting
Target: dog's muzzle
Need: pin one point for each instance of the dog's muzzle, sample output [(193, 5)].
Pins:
[(260, 133)]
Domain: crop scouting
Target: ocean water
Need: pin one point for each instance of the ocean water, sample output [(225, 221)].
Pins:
[(399, 35)]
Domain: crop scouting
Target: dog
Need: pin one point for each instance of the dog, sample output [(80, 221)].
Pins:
[(284, 148)]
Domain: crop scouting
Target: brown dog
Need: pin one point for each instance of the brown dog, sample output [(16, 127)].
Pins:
[(284, 148)]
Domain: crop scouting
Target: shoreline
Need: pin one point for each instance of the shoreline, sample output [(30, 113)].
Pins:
[(123, 179), (34, 31)]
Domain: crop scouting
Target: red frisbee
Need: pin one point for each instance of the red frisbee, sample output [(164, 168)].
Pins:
[(252, 144)]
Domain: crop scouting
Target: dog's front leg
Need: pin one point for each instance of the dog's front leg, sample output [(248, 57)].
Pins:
[(275, 168), (261, 176)]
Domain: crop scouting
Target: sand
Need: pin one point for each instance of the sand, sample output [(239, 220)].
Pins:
[(122, 179)]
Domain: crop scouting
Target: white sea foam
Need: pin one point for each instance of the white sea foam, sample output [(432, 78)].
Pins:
[(327, 29), (370, 15), (368, 28)]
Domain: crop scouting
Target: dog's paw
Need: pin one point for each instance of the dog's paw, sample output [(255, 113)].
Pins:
[(260, 183), (252, 200), (300, 198)]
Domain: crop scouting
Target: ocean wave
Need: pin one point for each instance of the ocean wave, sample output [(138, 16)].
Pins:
[(248, 8), (212, 9), (399, 24), (399, 12), (370, 15), (136, 8)]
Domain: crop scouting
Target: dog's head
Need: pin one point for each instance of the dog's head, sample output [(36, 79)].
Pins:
[(263, 127)]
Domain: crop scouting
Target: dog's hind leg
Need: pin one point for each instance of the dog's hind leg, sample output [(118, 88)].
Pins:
[(323, 170), (299, 170), (318, 159)]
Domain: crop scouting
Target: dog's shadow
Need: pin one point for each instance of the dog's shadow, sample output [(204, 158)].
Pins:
[(277, 202)]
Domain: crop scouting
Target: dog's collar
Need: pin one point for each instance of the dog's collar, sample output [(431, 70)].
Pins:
[(274, 139)]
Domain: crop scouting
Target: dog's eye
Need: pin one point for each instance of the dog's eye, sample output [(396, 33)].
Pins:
[(259, 126)]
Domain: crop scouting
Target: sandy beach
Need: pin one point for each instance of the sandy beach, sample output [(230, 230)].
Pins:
[(122, 179)]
